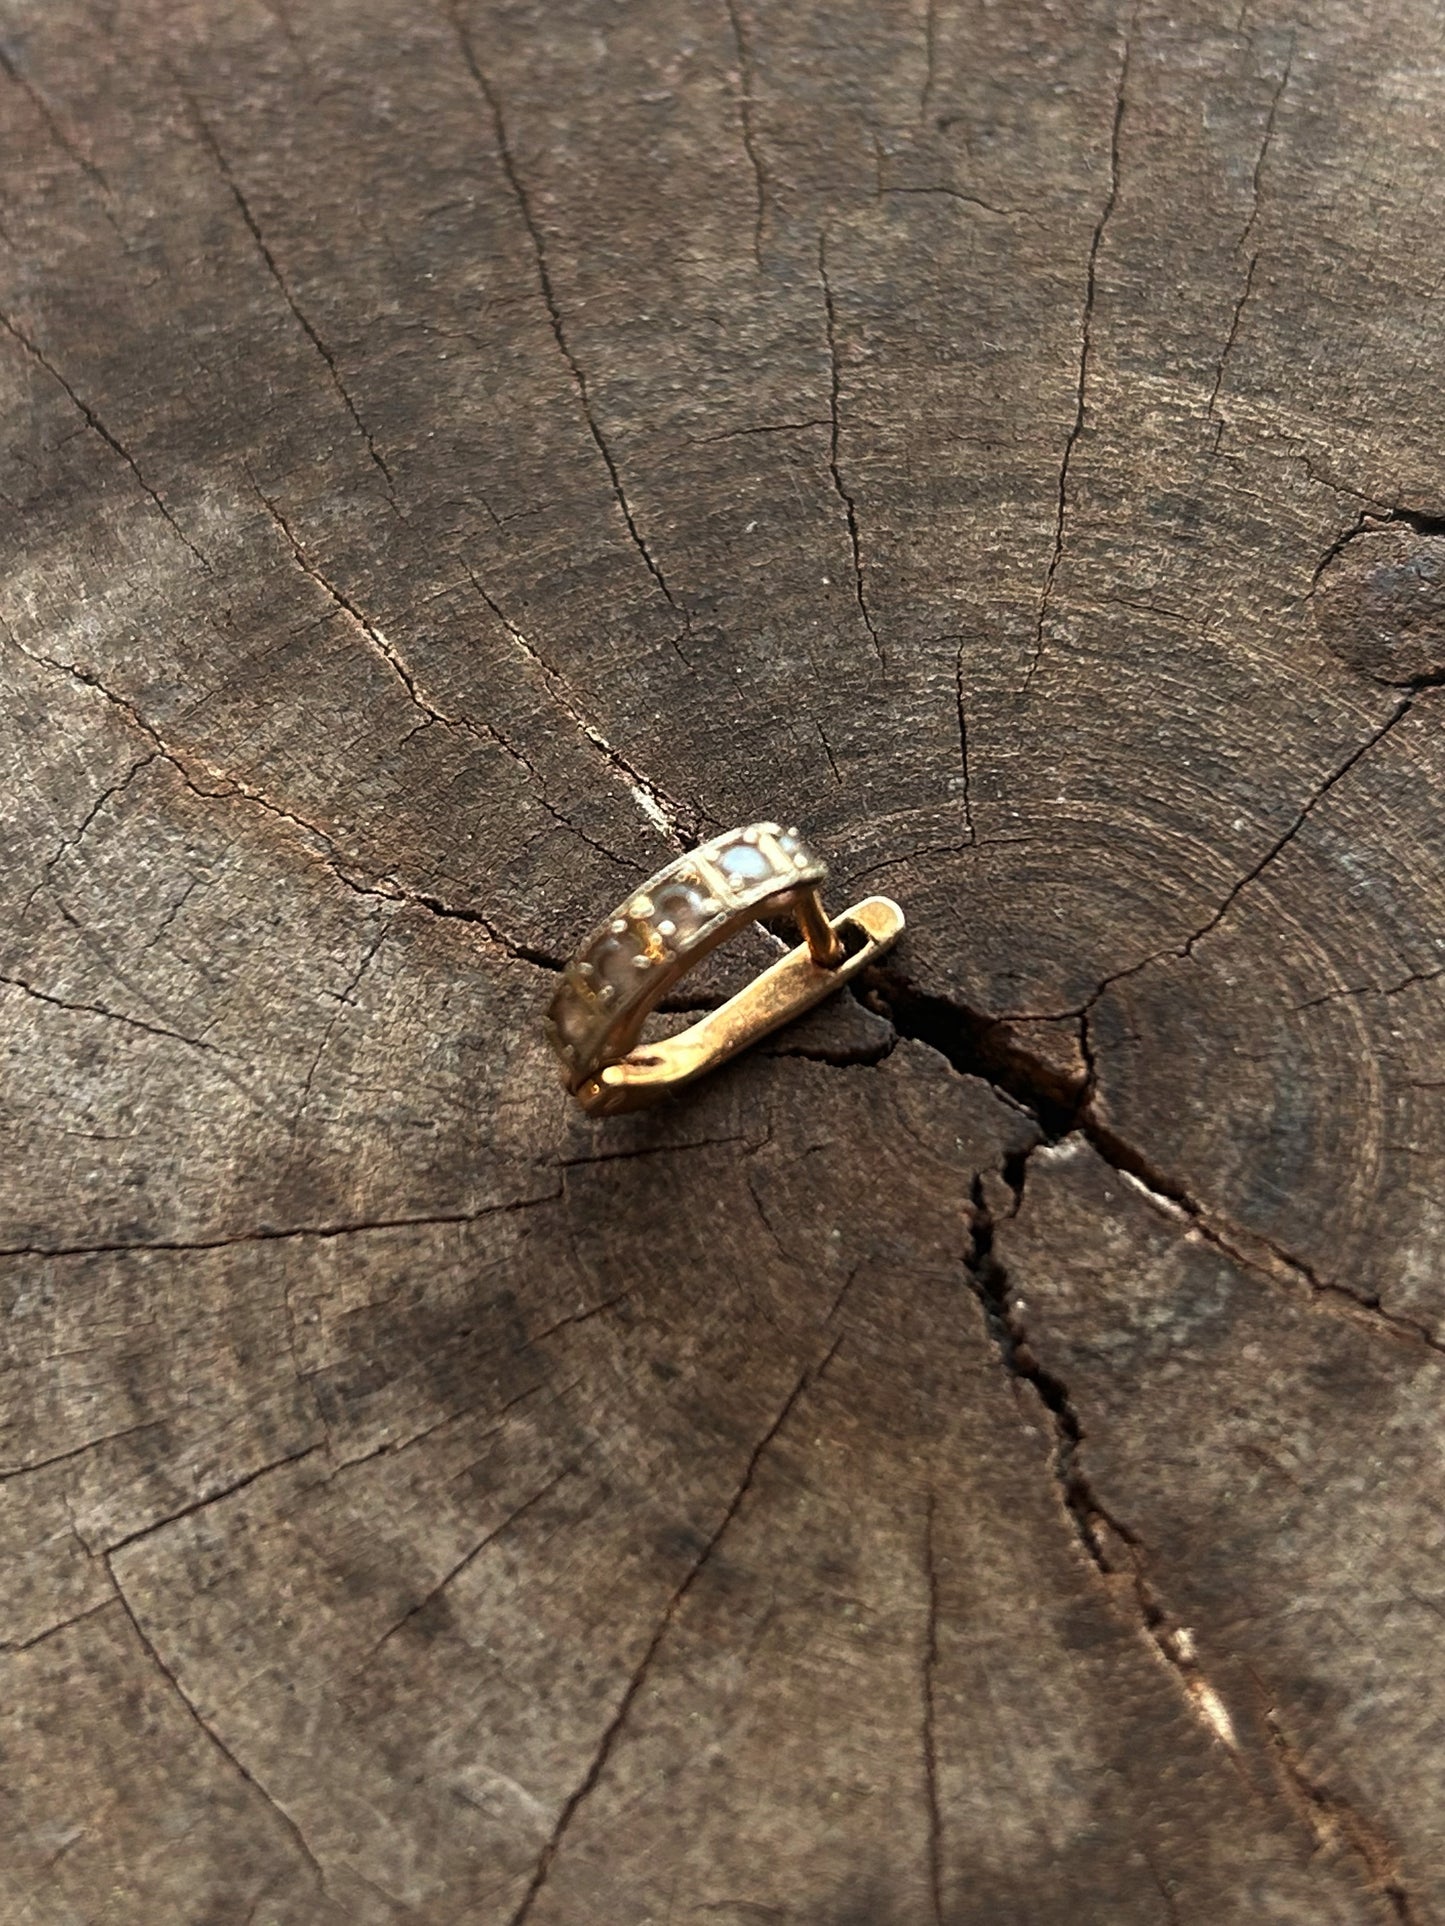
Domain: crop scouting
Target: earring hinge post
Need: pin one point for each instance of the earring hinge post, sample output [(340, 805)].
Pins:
[(825, 946)]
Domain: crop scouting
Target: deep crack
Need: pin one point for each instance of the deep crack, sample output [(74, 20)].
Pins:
[(980, 1045), (1113, 1547)]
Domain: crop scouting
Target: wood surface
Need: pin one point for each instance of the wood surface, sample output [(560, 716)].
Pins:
[(976, 1461)]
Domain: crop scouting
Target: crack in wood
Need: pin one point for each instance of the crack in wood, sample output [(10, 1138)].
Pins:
[(480, 730), (395, 1448), (1086, 325), (959, 699), (77, 835), (746, 108), (9, 1646), (930, 58), (112, 441), (1185, 949), (850, 510), (103, 1010), (1245, 233), (303, 320), (1409, 982), (78, 1451), (152, 1652), (549, 297), (613, 1729), (1114, 1548), (318, 841), (16, 74), (942, 192), (683, 828), (984, 1046), (469, 1558), (1337, 1824), (266, 1234), (203, 1503), (344, 999)]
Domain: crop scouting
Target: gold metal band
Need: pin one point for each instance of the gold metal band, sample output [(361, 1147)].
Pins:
[(630, 962)]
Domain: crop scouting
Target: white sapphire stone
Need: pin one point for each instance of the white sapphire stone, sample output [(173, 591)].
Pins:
[(744, 864)]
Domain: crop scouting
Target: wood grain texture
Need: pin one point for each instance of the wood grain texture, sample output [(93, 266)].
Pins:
[(975, 1461)]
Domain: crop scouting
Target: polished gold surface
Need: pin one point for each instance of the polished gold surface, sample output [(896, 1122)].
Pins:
[(630, 962)]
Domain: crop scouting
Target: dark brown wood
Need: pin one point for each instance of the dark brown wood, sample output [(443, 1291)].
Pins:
[(976, 1459)]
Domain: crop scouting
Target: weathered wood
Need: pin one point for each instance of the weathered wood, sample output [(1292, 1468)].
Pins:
[(975, 1459)]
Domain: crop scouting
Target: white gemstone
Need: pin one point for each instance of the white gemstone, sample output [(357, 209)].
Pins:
[(744, 863)]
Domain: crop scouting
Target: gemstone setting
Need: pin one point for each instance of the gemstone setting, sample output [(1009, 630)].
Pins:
[(762, 861), (680, 908), (617, 962), (744, 864)]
